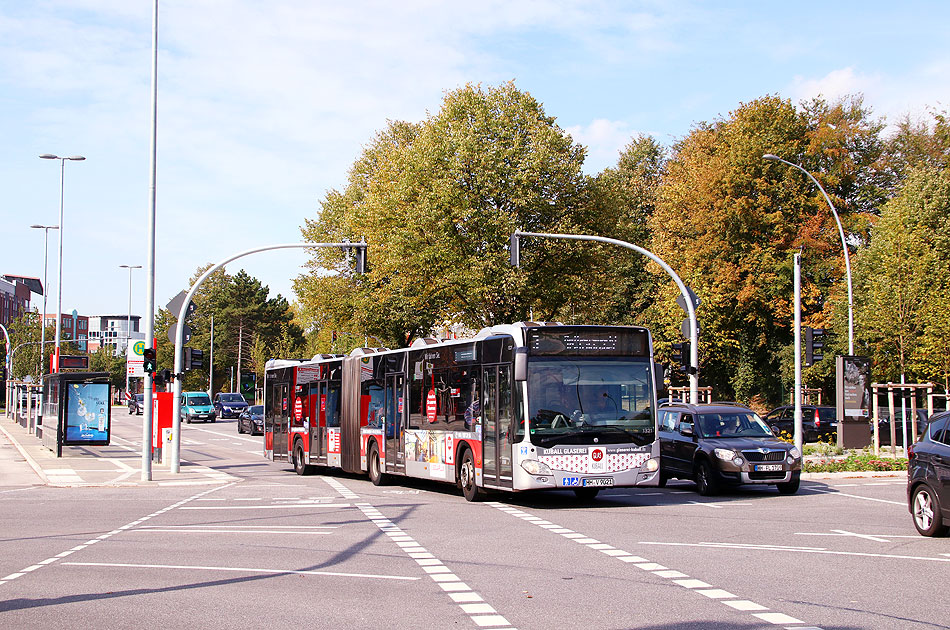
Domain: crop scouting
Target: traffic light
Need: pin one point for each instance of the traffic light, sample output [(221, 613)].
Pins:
[(3, 372), (149, 360), (814, 345), (682, 354), (515, 250), (192, 359), (162, 377), (361, 260)]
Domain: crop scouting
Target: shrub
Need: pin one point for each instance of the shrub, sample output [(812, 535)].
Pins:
[(856, 462)]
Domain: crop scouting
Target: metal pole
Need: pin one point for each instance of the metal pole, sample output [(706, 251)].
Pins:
[(180, 333), (690, 309), (9, 365), (150, 276), (799, 437), (211, 360), (844, 245)]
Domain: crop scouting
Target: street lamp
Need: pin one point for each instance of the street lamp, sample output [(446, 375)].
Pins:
[(46, 229), (59, 277), (128, 329), (844, 245)]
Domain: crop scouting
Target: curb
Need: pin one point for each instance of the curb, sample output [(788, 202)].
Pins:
[(856, 474), (32, 462)]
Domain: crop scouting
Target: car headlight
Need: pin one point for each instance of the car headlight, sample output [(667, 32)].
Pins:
[(725, 454), (534, 467), (794, 453)]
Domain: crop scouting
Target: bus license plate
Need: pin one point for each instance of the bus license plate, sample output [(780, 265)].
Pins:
[(768, 467), (598, 481)]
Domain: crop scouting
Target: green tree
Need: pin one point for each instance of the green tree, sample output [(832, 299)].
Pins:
[(728, 222), (902, 278), (437, 201), (105, 360)]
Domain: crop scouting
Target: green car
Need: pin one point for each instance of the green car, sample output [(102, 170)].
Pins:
[(196, 406)]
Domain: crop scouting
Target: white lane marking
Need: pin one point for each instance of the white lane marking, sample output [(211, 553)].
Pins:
[(250, 527), (229, 436), (677, 577), (483, 616), (62, 555), (869, 536), (268, 507), (235, 531), (709, 505), (858, 496), (829, 552), (241, 570), (864, 536)]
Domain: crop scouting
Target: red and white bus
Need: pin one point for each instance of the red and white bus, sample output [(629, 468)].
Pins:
[(523, 406)]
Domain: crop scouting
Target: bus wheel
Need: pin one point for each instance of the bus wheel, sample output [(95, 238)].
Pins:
[(467, 477), (586, 494), (375, 471), (299, 466)]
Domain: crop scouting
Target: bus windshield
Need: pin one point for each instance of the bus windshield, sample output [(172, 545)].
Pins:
[(575, 400)]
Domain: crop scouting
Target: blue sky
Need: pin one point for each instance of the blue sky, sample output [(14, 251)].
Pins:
[(263, 106)]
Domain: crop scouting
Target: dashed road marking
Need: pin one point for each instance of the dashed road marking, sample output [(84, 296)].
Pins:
[(60, 556), (677, 577)]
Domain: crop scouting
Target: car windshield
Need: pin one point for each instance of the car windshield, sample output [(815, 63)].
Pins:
[(575, 400), (232, 398), (199, 399), (732, 424), (256, 410)]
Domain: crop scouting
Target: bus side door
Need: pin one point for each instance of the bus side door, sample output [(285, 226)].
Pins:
[(395, 406)]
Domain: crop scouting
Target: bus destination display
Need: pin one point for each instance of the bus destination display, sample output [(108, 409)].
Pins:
[(580, 341)]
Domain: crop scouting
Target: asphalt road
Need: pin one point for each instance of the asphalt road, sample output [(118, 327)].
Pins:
[(331, 551)]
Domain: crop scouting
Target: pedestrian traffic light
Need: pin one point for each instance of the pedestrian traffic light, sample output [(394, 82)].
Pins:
[(149, 360), (814, 345)]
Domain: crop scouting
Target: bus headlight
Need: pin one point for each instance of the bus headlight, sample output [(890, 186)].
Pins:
[(652, 465), (534, 467)]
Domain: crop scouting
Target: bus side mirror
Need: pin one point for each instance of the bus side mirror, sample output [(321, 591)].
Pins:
[(658, 377), (521, 364)]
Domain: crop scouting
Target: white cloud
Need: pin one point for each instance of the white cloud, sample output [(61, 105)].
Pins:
[(604, 139)]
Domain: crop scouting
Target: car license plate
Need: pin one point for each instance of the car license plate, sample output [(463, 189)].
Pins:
[(768, 467), (598, 481)]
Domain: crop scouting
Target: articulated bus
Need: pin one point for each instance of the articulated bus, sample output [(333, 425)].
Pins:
[(523, 406)]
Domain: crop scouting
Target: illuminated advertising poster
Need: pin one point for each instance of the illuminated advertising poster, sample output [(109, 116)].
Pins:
[(87, 413)]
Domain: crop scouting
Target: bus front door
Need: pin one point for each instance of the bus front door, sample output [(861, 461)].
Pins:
[(496, 426), (395, 424)]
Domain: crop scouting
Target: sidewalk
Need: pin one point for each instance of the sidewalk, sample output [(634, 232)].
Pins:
[(116, 465)]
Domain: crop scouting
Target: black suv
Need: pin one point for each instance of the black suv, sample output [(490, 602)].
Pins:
[(717, 445), (818, 421), (928, 477)]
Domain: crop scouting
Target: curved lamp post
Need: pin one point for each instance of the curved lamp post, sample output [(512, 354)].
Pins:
[(844, 245), (59, 277)]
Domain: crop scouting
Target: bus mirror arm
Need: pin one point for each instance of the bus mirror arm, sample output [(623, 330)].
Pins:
[(521, 364)]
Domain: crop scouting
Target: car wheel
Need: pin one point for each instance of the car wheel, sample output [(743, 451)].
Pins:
[(466, 474), (661, 482), (131, 411), (375, 470), (925, 506), (706, 483), (792, 486), (586, 494), (240, 426), (299, 466)]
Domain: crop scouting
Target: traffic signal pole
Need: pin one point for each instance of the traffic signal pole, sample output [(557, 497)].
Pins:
[(687, 298), (177, 370)]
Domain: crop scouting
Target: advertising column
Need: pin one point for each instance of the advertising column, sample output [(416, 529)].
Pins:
[(853, 394)]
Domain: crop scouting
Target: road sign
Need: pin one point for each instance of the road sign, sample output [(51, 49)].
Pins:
[(682, 302), (173, 330), (134, 360)]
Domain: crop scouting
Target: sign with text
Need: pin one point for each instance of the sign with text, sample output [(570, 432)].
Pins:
[(134, 360)]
